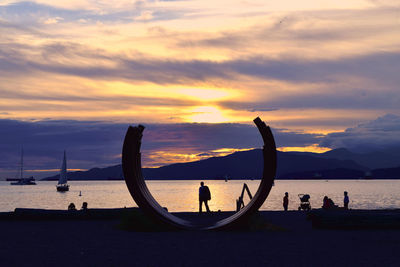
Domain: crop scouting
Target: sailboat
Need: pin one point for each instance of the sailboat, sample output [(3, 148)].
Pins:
[(62, 185), (21, 180)]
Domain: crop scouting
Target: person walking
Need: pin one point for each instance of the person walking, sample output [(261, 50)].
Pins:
[(204, 196), (346, 201), (286, 201)]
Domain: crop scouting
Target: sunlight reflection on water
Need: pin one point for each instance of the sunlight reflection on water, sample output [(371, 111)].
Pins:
[(182, 195)]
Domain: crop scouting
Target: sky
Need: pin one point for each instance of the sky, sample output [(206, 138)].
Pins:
[(74, 74)]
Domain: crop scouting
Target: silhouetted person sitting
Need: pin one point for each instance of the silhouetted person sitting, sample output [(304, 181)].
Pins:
[(328, 203), (346, 201), (286, 201), (204, 196), (71, 206), (84, 206), (325, 203)]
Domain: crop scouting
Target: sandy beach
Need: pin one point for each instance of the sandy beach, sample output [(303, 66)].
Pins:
[(103, 243)]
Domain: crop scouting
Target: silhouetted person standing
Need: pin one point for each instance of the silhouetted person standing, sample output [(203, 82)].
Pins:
[(204, 196), (84, 206), (346, 201), (286, 201)]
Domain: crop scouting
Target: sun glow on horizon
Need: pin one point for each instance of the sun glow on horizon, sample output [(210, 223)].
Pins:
[(227, 151), (208, 114), (313, 148), (161, 158)]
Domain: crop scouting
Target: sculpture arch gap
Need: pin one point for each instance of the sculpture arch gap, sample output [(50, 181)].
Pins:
[(132, 169)]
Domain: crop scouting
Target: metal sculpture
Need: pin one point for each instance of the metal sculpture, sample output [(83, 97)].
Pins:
[(239, 202), (132, 169)]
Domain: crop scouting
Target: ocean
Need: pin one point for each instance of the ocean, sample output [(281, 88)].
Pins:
[(182, 195)]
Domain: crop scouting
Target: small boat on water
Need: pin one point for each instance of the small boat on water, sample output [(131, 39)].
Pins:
[(25, 181), (62, 185), (368, 175), (317, 176), (226, 177), (21, 180)]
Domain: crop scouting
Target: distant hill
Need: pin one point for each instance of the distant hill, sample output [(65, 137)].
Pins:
[(246, 164), (239, 165), (340, 173), (108, 173), (387, 173), (385, 158)]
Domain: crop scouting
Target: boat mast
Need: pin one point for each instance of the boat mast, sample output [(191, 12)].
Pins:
[(22, 163)]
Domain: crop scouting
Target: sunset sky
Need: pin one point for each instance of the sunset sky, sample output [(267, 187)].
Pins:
[(74, 74)]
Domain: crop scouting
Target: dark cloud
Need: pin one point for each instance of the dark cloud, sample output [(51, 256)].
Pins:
[(44, 141), (334, 78), (381, 67), (98, 144), (133, 69), (383, 132), (113, 100), (334, 96), (205, 137), (331, 76)]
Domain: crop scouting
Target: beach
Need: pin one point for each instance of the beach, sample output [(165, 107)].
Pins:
[(291, 241)]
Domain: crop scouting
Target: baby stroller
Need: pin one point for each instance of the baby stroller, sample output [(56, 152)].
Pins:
[(304, 202)]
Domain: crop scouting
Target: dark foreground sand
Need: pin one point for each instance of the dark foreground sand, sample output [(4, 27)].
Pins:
[(102, 243)]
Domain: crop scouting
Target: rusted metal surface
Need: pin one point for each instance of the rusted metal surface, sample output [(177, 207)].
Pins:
[(131, 165)]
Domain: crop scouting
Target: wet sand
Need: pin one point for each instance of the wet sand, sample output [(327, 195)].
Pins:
[(103, 243)]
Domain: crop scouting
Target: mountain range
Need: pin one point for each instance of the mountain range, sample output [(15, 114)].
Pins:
[(335, 164)]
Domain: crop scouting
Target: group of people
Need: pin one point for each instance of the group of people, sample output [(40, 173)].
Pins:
[(205, 196), (326, 204), (329, 204), (71, 206)]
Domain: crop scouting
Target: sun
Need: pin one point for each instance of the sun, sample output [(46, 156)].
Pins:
[(207, 114)]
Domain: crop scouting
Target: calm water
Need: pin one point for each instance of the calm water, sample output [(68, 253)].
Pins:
[(182, 195)]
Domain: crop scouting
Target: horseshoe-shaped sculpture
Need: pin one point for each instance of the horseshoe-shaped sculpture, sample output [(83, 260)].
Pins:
[(132, 168)]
